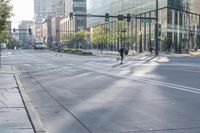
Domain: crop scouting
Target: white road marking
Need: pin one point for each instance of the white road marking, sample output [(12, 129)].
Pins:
[(183, 70), (145, 80), (169, 85)]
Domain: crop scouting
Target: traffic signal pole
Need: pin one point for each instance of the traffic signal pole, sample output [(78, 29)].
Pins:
[(128, 17), (156, 34)]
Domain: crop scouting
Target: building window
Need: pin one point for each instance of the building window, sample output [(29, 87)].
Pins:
[(176, 17), (169, 41), (180, 18), (80, 22), (170, 17)]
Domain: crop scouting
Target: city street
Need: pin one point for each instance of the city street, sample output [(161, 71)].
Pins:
[(95, 94)]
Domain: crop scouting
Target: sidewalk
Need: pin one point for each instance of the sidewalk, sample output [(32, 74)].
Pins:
[(13, 115)]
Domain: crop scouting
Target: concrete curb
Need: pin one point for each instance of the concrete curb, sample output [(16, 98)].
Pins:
[(32, 114)]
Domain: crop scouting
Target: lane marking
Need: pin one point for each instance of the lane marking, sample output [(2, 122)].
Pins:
[(181, 69), (169, 85), (145, 80)]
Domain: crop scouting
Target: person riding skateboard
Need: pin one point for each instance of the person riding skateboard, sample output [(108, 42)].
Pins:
[(121, 51)]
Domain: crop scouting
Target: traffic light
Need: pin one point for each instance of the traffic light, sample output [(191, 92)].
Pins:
[(107, 17), (14, 30), (30, 31), (159, 30), (71, 15), (128, 17)]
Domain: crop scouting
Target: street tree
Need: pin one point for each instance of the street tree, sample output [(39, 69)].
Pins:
[(100, 36), (13, 43), (80, 38), (63, 37), (67, 38), (5, 14), (124, 36)]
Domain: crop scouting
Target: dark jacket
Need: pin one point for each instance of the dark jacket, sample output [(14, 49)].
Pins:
[(121, 51)]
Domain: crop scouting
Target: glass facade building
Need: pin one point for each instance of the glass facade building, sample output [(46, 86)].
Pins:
[(179, 22), (76, 6)]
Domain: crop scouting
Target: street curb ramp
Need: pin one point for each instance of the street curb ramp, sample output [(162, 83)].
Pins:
[(32, 114)]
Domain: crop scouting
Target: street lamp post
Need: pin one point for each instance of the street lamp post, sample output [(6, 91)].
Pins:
[(0, 55), (0, 48), (156, 26)]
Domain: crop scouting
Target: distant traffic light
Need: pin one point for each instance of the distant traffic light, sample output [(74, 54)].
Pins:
[(30, 31), (128, 17), (14, 30), (107, 17), (71, 15)]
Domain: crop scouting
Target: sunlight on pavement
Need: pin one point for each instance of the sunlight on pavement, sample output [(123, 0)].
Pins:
[(143, 70), (112, 91), (161, 59)]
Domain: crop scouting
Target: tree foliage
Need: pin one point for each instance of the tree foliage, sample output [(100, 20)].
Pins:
[(80, 37), (5, 14), (123, 33), (100, 35), (66, 37)]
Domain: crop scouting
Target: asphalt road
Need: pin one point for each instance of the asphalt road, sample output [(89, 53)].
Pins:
[(80, 94)]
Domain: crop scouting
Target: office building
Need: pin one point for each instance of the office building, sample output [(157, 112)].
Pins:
[(69, 27), (42, 10), (25, 37), (55, 30), (179, 23), (60, 12), (46, 31), (79, 7)]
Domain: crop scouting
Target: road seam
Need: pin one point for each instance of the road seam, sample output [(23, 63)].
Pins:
[(75, 117), (159, 130)]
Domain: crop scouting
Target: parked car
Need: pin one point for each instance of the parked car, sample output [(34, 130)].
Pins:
[(38, 45)]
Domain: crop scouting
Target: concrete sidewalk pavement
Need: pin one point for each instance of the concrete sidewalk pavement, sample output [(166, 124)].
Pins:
[(13, 115)]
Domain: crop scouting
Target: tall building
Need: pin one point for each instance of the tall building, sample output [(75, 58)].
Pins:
[(46, 30), (25, 38), (76, 6), (69, 27), (60, 8), (179, 23), (55, 30), (43, 9)]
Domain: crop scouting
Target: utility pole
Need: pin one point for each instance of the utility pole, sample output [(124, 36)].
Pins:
[(156, 26), (0, 47), (0, 55)]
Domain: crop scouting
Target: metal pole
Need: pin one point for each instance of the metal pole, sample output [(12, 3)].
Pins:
[(0, 49), (156, 26), (0, 55)]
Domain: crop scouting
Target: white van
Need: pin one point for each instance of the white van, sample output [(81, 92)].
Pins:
[(39, 45), (3, 45)]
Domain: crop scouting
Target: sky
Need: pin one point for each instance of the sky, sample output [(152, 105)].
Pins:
[(23, 10)]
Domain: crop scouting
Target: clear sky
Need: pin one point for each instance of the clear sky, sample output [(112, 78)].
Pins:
[(23, 10)]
